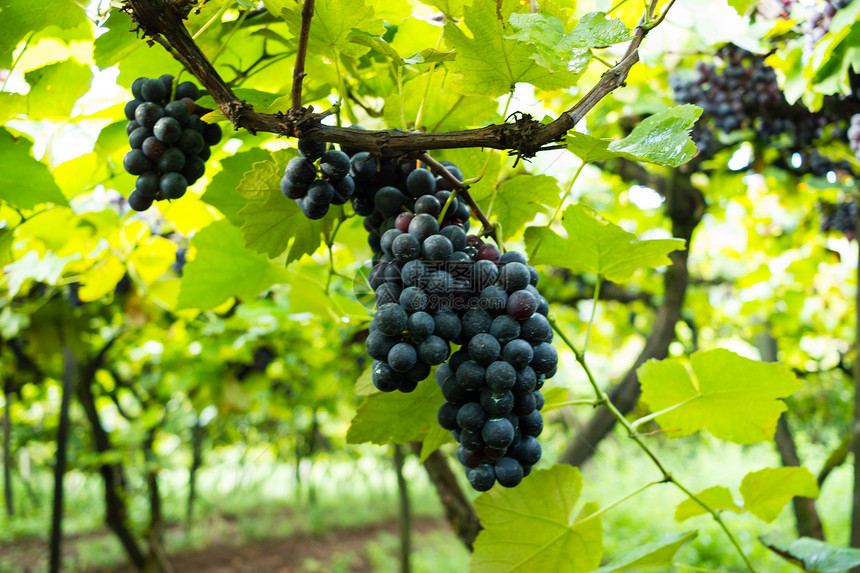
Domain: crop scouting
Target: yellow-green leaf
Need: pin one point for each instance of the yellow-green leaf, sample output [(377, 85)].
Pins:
[(766, 491), (733, 397), (651, 554), (717, 497), (205, 284), (594, 245), (530, 527), (489, 63), (396, 417)]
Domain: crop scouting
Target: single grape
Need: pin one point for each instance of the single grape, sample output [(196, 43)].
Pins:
[(508, 472), (471, 416), (173, 185), (138, 202), (498, 432), (402, 357), (311, 150), (484, 348), (136, 163), (421, 182)]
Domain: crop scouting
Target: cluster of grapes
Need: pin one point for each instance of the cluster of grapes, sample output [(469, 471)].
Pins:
[(818, 19), (854, 134), (436, 286), (169, 142), (388, 194), (840, 217), (314, 194), (492, 383), (740, 91)]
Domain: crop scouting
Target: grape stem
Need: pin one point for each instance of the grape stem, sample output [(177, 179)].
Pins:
[(556, 213), (631, 433), (301, 53), (463, 191)]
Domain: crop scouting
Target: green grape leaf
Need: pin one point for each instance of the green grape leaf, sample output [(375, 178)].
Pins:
[(430, 56), (595, 245), (271, 222), (135, 58), (742, 6), (717, 497), (662, 139), (519, 199), (596, 30), (452, 9), (766, 491), (436, 436), (812, 554), (205, 285), (529, 527), (491, 64), (25, 182), (733, 397), (55, 88), (651, 554), (17, 19), (447, 110), (335, 25), (263, 102), (396, 417), (558, 51), (221, 192), (364, 385), (46, 269), (589, 148)]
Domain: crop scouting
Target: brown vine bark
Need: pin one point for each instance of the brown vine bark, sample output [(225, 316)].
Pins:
[(685, 206), (163, 19), (806, 518), (69, 381), (459, 511), (113, 475), (7, 450)]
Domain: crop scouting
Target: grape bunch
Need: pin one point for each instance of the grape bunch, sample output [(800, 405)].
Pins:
[(854, 134), (169, 142), (739, 91), (316, 189), (818, 20), (389, 193), (840, 217), (492, 383)]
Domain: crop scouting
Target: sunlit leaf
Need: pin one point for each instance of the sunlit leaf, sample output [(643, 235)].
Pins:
[(489, 63), (717, 498), (766, 491), (733, 397), (334, 26), (25, 182), (521, 198), (531, 528), (396, 417), (17, 19), (651, 554), (222, 190), (205, 284), (596, 246), (55, 88)]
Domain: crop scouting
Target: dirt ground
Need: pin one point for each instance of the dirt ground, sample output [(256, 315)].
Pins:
[(274, 556), (287, 555)]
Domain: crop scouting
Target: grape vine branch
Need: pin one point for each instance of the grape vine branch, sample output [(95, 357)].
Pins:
[(162, 21)]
